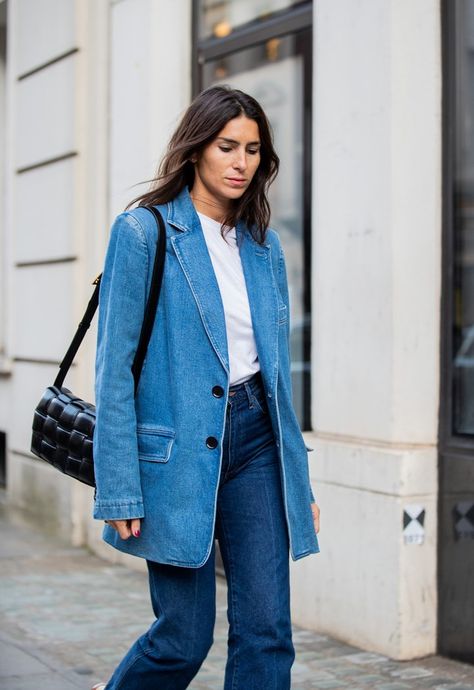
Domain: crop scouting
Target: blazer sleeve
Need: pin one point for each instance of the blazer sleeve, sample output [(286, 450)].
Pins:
[(283, 287), (122, 299)]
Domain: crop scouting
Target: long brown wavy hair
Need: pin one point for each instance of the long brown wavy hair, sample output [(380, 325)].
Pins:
[(205, 117)]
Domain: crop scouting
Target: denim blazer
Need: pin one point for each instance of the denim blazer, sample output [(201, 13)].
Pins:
[(150, 454)]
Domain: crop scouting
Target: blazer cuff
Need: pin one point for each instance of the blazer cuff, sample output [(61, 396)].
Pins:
[(311, 495), (118, 510)]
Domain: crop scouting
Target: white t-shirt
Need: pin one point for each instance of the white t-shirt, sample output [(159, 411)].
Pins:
[(225, 257)]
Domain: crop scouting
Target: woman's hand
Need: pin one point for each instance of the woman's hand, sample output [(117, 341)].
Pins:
[(126, 528), (315, 511)]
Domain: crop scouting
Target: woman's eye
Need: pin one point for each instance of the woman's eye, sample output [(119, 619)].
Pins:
[(253, 151), (226, 149)]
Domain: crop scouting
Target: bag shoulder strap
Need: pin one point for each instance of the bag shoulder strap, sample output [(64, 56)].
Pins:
[(149, 317), (152, 302)]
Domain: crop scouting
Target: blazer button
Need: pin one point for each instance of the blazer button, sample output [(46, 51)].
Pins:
[(217, 391), (211, 442)]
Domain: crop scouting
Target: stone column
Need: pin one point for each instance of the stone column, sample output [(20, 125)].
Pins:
[(376, 324)]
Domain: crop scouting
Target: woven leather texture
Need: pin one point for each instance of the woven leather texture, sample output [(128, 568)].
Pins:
[(63, 430)]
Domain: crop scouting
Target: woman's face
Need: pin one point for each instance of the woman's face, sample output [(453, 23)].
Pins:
[(226, 166)]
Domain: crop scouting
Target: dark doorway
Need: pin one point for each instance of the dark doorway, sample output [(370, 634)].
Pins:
[(456, 438)]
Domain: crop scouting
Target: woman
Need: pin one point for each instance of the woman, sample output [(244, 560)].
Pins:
[(210, 448)]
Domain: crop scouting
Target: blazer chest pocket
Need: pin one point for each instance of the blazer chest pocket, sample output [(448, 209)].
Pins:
[(154, 443)]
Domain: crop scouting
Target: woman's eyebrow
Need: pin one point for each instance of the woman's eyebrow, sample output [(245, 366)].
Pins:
[(233, 141)]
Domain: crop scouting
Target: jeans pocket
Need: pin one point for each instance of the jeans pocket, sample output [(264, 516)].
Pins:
[(259, 402)]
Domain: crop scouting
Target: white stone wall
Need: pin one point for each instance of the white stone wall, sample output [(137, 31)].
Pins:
[(55, 203), (376, 337), (3, 108), (150, 87)]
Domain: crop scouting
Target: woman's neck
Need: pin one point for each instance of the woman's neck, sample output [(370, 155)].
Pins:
[(209, 206)]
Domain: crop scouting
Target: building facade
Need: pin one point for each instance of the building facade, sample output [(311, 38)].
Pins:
[(371, 103)]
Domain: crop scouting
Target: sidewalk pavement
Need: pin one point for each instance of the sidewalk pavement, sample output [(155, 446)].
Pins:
[(67, 617)]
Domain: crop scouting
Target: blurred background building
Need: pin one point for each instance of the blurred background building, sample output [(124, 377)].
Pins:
[(372, 106)]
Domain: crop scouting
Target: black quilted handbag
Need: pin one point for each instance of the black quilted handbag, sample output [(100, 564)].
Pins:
[(63, 424)]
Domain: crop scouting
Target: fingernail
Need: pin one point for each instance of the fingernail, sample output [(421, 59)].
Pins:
[(136, 533)]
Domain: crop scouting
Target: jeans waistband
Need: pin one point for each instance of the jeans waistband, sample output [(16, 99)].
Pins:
[(252, 385)]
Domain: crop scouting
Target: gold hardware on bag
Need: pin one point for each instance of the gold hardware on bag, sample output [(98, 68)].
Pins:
[(96, 280)]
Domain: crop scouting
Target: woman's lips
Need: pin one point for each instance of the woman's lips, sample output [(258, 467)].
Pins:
[(236, 181)]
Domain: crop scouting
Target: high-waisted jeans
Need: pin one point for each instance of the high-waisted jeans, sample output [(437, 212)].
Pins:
[(253, 541)]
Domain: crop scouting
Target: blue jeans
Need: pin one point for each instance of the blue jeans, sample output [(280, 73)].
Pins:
[(253, 540)]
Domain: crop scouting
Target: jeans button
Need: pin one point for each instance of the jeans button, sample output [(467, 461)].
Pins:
[(211, 442), (217, 391)]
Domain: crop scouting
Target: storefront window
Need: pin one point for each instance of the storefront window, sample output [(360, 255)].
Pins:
[(218, 18)]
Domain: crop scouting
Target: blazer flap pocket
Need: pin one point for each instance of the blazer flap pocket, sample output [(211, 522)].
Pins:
[(154, 442)]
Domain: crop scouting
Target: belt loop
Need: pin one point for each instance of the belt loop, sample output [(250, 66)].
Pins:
[(248, 390)]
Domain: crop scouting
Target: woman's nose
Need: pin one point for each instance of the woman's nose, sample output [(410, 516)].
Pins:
[(240, 161)]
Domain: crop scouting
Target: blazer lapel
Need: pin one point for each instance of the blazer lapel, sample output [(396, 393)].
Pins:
[(193, 255), (263, 299)]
